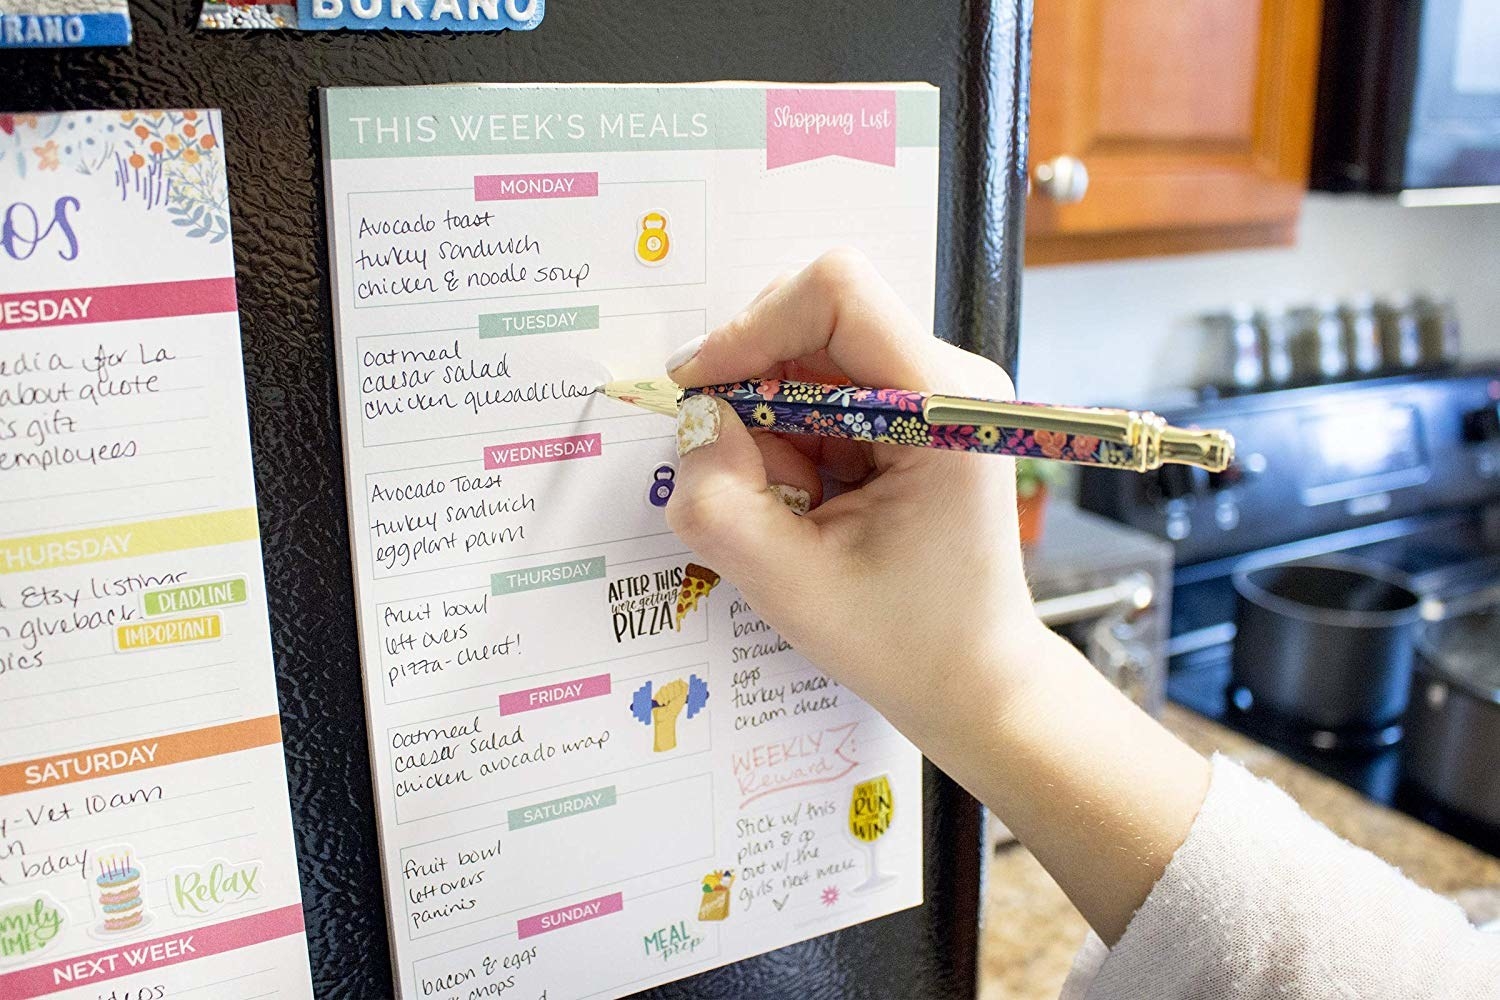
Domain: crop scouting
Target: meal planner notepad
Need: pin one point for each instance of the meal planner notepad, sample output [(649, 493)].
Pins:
[(145, 838), (597, 769)]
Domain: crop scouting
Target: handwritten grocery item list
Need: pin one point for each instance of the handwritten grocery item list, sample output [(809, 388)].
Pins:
[(145, 839), (597, 768)]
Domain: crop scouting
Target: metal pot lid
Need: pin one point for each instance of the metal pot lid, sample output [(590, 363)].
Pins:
[(1465, 651)]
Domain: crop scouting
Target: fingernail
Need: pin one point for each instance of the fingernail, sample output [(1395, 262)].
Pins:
[(685, 353), (697, 423), (799, 500)]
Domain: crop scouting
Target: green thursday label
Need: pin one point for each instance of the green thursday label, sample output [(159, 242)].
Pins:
[(516, 581)]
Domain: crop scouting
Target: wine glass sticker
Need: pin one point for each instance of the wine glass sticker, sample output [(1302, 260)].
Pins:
[(652, 244), (871, 810)]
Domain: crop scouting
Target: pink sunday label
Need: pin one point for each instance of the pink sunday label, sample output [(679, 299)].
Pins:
[(565, 916), (519, 187), (563, 449), (806, 125), (548, 695), (143, 956)]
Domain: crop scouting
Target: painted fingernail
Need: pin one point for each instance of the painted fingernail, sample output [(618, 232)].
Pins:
[(697, 423), (685, 353), (799, 500)]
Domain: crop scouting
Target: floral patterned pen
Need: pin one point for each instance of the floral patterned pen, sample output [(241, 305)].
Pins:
[(1122, 439)]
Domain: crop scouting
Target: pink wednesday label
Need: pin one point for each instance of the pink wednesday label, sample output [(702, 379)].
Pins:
[(519, 187), (806, 125), (143, 956), (112, 303), (554, 694), (573, 913), (563, 449)]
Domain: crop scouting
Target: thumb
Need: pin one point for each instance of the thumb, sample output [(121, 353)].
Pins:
[(723, 509)]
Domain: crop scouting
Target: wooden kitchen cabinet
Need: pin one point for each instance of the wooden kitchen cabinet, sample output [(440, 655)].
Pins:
[(1192, 120)]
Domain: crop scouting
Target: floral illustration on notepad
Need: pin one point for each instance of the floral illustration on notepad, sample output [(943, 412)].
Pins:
[(169, 161)]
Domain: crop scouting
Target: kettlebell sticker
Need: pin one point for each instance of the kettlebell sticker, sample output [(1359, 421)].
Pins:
[(663, 482), (652, 244)]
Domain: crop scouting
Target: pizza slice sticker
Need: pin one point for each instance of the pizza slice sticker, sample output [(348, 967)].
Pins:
[(697, 581)]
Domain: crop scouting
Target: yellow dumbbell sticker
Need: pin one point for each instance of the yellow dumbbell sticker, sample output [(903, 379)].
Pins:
[(652, 244)]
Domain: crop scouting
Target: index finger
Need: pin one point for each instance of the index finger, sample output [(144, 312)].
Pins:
[(839, 305)]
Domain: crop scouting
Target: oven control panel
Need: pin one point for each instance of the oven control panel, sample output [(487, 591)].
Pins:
[(1316, 460)]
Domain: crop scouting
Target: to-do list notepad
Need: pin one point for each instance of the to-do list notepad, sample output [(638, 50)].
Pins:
[(597, 769), (145, 840)]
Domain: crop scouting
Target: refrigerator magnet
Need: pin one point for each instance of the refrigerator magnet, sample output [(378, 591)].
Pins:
[(368, 15), (61, 24)]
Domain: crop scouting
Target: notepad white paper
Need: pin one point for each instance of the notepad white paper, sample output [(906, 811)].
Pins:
[(596, 768), (145, 838)]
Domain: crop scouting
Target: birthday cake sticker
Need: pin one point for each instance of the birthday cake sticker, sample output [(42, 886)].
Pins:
[(118, 894)]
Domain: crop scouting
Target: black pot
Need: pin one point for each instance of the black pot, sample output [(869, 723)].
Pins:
[(1327, 642), (1453, 727)]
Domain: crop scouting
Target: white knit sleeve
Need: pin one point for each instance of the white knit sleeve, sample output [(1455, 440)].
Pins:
[(1261, 902)]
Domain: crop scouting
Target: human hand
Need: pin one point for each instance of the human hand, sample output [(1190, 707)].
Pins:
[(909, 586), (666, 706), (910, 579)]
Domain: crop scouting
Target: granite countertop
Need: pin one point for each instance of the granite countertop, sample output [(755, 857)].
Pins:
[(1031, 931)]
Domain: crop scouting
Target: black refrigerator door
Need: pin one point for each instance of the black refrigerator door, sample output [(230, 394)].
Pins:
[(976, 51)]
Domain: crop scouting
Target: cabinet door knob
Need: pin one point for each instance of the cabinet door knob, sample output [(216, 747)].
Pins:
[(1063, 179)]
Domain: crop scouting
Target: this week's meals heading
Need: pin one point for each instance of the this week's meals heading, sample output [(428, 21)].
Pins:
[(145, 838), (597, 769)]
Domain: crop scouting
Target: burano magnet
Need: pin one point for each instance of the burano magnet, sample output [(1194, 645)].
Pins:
[(368, 15)]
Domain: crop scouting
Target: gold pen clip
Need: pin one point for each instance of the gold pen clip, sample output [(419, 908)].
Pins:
[(1149, 442)]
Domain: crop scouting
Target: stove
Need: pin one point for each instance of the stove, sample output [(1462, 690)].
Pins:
[(1402, 471)]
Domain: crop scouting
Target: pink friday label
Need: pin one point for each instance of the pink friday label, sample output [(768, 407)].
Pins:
[(804, 125), (113, 303), (548, 695), (521, 187), (143, 956), (573, 913), (563, 449)]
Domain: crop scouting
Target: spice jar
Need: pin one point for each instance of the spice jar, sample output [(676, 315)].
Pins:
[(1361, 334), (1275, 328), (1400, 340), (1437, 330)]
